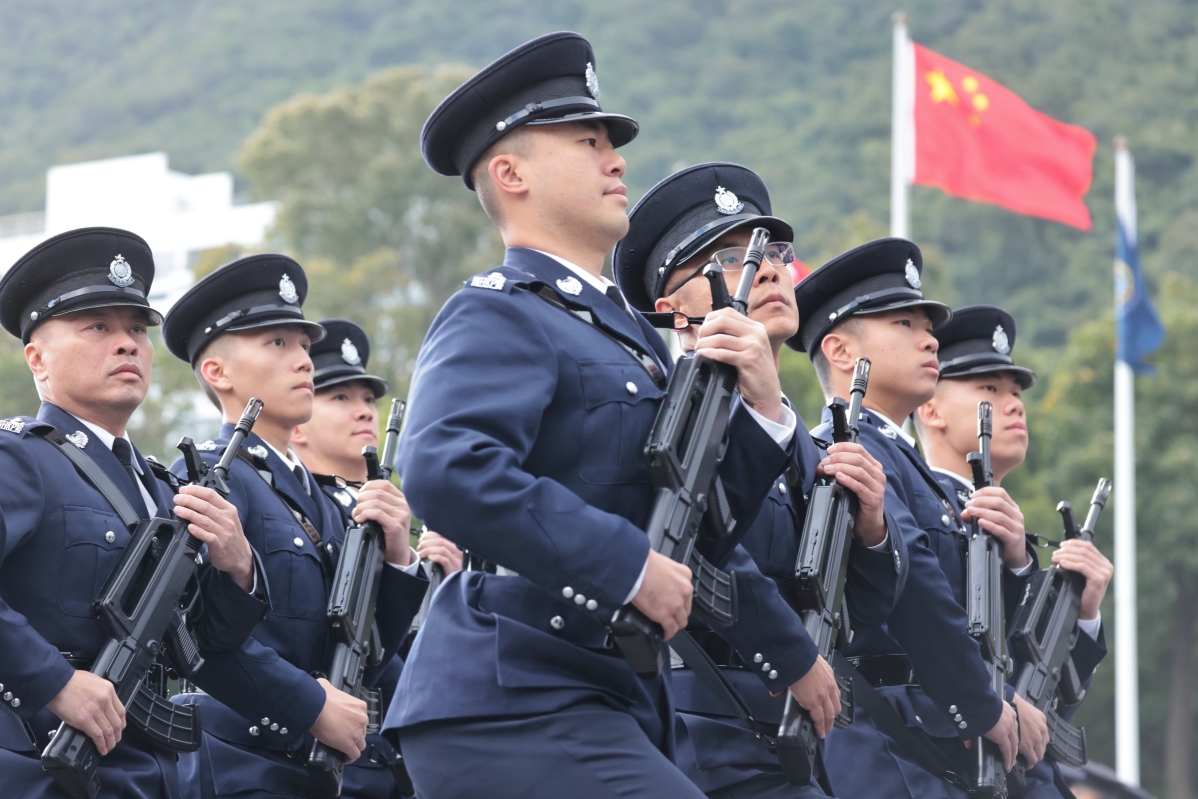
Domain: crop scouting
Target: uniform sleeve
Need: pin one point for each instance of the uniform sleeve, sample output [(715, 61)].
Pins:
[(230, 613), (932, 627), (470, 428), (876, 578), (30, 667)]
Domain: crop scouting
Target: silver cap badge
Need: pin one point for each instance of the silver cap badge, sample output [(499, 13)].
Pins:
[(592, 80), (287, 290), (349, 353), (912, 275), (726, 202), (78, 438), (1002, 344), (120, 273), (570, 285)]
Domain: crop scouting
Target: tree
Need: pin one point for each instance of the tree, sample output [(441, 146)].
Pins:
[(384, 240)]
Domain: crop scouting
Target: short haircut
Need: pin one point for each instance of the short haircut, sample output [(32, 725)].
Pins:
[(823, 369), (518, 142), (209, 391)]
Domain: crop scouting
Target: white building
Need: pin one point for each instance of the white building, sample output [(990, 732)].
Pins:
[(179, 215)]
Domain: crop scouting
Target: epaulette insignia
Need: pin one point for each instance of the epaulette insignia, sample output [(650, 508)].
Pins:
[(206, 446), (493, 281), (13, 425)]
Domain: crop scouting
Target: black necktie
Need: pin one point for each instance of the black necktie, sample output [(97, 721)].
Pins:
[(613, 294), (303, 478), (124, 453)]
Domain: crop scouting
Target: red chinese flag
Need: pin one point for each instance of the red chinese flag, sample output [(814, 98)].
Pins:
[(976, 139)]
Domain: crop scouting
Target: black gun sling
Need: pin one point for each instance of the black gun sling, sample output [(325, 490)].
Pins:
[(94, 474), (914, 742)]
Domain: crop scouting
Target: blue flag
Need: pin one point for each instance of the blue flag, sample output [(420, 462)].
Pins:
[(1138, 330)]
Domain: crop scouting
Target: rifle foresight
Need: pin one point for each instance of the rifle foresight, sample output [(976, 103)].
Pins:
[(753, 255), (252, 409), (1097, 503), (857, 396), (1101, 492), (391, 439), (985, 420)]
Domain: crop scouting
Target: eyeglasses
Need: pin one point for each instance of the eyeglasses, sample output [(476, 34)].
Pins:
[(732, 260)]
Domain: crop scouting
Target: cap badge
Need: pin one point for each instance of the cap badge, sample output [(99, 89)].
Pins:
[(78, 438), (206, 446), (258, 451), (493, 281), (912, 275), (1002, 344), (287, 290), (570, 285), (349, 353), (120, 273), (726, 202), (592, 80)]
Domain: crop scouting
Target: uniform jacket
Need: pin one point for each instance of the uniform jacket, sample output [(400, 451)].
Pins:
[(60, 539), (524, 444), (267, 683)]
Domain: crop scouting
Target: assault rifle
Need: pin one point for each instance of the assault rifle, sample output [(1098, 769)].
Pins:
[(820, 574), (686, 445), (143, 609), (352, 601), (1044, 633), (985, 609)]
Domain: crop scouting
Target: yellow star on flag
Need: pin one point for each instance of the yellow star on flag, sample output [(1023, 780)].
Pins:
[(942, 90)]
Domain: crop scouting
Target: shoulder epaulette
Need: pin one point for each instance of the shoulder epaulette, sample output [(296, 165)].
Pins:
[(22, 425), (501, 278)]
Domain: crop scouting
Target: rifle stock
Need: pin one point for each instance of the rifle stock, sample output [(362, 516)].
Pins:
[(820, 574), (143, 610), (351, 613)]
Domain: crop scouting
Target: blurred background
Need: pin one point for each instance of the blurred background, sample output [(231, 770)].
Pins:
[(294, 126)]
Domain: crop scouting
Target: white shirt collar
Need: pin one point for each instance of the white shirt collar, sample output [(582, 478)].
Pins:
[(290, 458), (108, 438), (898, 428), (968, 484), (600, 283)]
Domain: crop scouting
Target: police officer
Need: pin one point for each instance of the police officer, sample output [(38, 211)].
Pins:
[(696, 216), (78, 303), (527, 420), (344, 420), (976, 365), (867, 302), (243, 331)]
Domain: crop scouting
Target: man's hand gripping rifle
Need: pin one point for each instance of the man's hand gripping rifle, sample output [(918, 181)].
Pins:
[(820, 574), (143, 609), (352, 602), (1044, 633), (984, 607), (684, 451)]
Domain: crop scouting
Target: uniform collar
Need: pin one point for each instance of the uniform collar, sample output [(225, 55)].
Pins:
[(598, 283), (898, 428), (954, 475), (108, 439)]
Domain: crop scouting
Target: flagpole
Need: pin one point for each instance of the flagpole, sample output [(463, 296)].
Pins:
[(902, 132), (1127, 681)]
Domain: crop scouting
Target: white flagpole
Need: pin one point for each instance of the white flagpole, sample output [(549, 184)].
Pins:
[(1127, 679), (902, 128)]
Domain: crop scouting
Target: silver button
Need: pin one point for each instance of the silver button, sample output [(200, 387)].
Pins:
[(16, 703), (274, 727), (557, 622), (773, 675), (963, 724), (631, 386), (832, 316), (957, 717), (299, 542), (765, 667), (1, 686), (592, 604), (265, 721), (199, 560), (7, 695), (110, 536), (782, 488), (254, 731), (952, 708), (758, 658), (567, 592), (944, 519), (917, 718), (282, 730), (579, 599), (328, 548)]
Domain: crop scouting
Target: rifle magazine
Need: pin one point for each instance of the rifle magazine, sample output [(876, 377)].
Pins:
[(175, 728), (715, 592), (1066, 743)]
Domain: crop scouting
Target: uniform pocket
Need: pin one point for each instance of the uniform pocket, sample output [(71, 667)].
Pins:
[(292, 570), (620, 401), (88, 555)]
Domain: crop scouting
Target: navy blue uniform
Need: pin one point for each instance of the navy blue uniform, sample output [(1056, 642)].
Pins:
[(714, 747), (262, 697), (524, 444), (370, 776), (1044, 780), (59, 540)]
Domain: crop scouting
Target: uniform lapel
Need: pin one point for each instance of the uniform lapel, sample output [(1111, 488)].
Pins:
[(285, 481), (158, 490), (76, 432), (925, 471)]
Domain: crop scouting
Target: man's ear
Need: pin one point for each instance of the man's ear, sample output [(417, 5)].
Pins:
[(508, 174), (215, 372), (840, 351), (299, 436), (930, 416), (37, 362), (666, 304)]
